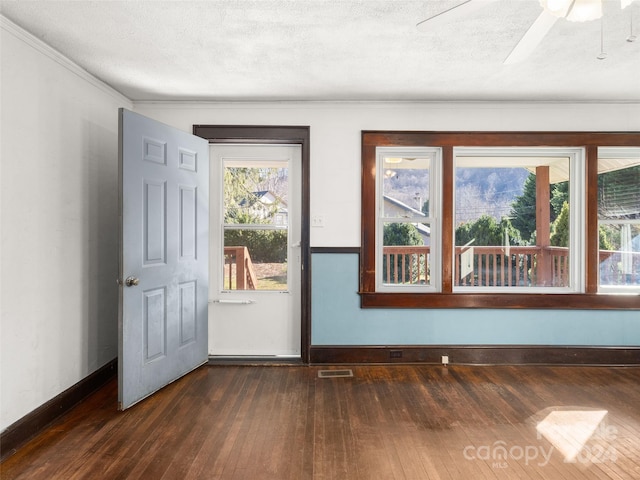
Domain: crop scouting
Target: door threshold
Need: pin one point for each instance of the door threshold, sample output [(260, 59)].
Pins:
[(258, 360)]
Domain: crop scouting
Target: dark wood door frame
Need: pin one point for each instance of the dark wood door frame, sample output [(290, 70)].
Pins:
[(240, 134)]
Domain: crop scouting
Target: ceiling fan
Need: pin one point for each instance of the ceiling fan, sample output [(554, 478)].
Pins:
[(552, 11)]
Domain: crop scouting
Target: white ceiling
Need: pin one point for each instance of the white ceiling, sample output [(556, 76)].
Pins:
[(265, 50)]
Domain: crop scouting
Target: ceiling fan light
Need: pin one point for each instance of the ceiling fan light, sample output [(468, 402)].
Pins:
[(585, 11), (557, 8), (574, 10)]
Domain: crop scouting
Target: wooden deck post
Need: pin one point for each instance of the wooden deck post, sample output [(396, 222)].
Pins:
[(543, 220), (241, 275)]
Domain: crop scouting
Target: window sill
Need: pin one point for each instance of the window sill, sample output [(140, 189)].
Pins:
[(584, 301)]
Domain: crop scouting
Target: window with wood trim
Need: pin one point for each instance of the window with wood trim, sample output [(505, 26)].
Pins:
[(500, 220), (619, 220), (518, 213), (407, 228)]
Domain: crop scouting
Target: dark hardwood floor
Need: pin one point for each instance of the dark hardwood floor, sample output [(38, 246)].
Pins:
[(385, 422)]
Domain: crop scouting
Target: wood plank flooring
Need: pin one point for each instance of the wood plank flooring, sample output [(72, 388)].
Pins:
[(385, 422)]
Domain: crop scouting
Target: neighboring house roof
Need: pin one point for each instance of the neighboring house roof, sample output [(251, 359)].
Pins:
[(413, 212), (265, 197), (403, 206)]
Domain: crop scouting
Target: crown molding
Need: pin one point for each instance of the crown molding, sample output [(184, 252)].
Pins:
[(51, 53), (388, 104)]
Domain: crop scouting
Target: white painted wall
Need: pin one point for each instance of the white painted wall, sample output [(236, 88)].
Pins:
[(336, 130), (337, 318), (59, 224), (58, 202)]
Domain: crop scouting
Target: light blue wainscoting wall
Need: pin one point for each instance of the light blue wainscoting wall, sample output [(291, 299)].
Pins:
[(337, 319)]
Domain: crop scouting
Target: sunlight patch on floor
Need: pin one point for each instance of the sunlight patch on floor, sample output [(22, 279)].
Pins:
[(569, 430)]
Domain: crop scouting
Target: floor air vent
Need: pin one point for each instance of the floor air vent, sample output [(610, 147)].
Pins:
[(335, 373)]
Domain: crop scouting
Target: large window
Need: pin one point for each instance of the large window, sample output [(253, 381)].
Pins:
[(619, 219), (521, 220), (518, 213), (407, 225)]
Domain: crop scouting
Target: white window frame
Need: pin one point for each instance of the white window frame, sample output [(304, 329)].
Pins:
[(434, 218), (577, 216), (616, 152)]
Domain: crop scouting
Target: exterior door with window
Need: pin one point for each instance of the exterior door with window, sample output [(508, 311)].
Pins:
[(255, 273)]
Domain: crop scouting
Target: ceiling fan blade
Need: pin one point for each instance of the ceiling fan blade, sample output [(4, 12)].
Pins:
[(463, 10), (532, 38)]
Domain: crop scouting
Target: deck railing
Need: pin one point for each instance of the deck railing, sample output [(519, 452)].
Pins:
[(238, 266), (506, 266), (474, 267), (406, 265), (512, 266), (481, 266)]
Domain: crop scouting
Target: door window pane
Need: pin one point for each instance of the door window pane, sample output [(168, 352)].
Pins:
[(255, 195), (255, 225), (255, 259)]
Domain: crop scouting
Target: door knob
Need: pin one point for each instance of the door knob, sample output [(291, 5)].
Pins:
[(131, 281)]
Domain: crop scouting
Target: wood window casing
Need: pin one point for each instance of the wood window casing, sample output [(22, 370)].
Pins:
[(590, 299), (284, 135)]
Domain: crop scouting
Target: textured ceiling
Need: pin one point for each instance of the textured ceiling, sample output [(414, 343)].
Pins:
[(335, 50)]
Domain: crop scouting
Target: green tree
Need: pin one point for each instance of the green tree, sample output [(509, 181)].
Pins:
[(240, 185), (560, 236), (606, 236), (560, 227), (485, 231), (509, 233), (559, 195), (401, 234), (523, 209), (241, 188), (265, 246)]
